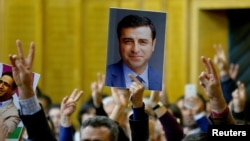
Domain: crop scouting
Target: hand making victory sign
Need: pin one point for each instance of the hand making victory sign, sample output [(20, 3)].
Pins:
[(22, 70), (211, 85)]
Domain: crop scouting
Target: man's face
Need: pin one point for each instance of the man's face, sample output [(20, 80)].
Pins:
[(187, 114), (6, 83), (136, 47), (90, 133)]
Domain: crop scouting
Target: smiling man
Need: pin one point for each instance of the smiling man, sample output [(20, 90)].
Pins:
[(8, 111), (137, 39)]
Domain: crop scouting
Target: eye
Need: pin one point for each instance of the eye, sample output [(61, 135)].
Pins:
[(143, 42), (127, 41), (4, 83)]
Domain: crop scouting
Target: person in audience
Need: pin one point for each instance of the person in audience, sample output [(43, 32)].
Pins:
[(227, 74), (138, 120), (30, 112), (54, 115), (43, 99), (172, 129), (194, 119), (99, 128), (234, 91), (8, 110), (238, 104), (87, 110), (68, 106), (220, 113)]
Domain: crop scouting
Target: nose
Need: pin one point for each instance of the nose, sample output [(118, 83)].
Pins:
[(136, 47)]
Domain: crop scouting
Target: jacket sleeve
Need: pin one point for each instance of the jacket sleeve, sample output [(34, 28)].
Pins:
[(37, 126)]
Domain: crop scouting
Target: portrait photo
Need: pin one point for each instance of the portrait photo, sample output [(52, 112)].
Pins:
[(136, 42)]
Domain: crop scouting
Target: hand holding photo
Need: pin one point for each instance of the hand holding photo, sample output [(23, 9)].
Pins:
[(135, 46)]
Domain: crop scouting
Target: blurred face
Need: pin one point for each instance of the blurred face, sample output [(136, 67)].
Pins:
[(54, 114), (136, 47), (91, 113), (187, 114), (6, 83), (95, 134)]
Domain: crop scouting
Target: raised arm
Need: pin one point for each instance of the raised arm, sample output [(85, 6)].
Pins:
[(139, 123), (33, 117), (228, 73), (211, 85), (68, 107)]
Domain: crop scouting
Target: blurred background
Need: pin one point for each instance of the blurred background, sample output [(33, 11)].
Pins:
[(71, 39)]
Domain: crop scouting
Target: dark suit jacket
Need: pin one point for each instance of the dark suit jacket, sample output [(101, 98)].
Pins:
[(115, 77), (139, 128), (37, 127)]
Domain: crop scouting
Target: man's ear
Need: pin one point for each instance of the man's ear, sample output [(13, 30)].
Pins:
[(153, 45)]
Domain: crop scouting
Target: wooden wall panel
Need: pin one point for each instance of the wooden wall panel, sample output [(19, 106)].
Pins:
[(20, 20), (177, 48)]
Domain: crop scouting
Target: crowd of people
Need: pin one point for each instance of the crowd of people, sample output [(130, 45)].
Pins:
[(108, 116), (125, 114)]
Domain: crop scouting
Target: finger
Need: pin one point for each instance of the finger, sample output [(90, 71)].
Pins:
[(20, 66), (212, 68), (205, 62), (79, 94), (13, 60), (64, 100), (20, 50), (133, 78), (203, 79), (73, 94), (31, 53)]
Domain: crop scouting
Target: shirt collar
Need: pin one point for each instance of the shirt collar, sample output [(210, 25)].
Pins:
[(3, 103)]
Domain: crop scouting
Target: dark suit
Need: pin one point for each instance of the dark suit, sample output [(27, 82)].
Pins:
[(37, 126), (115, 77)]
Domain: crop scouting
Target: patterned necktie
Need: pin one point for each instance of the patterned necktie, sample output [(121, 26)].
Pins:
[(139, 78)]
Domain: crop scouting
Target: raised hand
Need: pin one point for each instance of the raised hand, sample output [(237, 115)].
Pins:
[(68, 106), (22, 70), (239, 98), (120, 96), (233, 70), (221, 60), (211, 85), (136, 92), (97, 88)]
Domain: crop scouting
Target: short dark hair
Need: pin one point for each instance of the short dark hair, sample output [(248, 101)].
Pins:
[(135, 21), (99, 121), (9, 73)]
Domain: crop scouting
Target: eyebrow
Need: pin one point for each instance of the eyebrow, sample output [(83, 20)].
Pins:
[(5, 83)]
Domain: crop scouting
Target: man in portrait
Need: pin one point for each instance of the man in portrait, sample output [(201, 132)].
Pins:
[(137, 42)]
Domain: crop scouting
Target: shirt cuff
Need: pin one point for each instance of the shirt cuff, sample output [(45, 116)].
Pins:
[(29, 106), (220, 115)]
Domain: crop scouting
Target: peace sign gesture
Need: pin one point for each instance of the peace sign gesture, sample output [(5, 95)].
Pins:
[(22, 70), (211, 85)]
